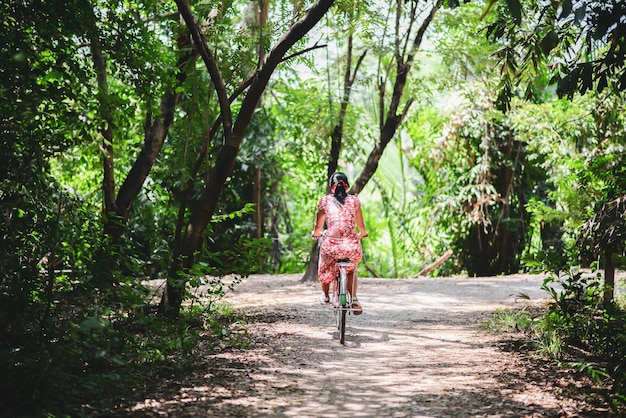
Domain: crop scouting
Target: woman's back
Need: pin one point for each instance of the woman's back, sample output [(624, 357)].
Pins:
[(340, 219)]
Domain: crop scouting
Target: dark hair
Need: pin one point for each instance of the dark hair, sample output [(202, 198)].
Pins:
[(340, 181)]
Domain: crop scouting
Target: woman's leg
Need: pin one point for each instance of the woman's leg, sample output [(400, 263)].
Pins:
[(352, 283), (324, 273), (325, 288)]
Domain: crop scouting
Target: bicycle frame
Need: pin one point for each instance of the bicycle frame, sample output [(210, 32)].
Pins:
[(342, 297), (341, 294)]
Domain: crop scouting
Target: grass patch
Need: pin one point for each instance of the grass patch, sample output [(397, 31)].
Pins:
[(510, 320)]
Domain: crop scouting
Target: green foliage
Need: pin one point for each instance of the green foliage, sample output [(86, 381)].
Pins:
[(244, 257), (462, 61), (70, 301), (479, 173), (301, 111), (105, 337), (509, 321), (578, 330), (397, 250), (579, 322), (581, 42), (56, 313)]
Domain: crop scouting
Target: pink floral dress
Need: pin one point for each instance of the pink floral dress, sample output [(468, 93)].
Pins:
[(341, 239)]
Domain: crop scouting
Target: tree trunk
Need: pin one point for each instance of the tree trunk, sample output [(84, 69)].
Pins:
[(311, 269), (108, 178), (274, 231), (117, 208), (609, 278), (260, 11), (393, 119)]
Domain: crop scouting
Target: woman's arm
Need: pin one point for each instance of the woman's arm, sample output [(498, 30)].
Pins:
[(359, 223), (319, 224)]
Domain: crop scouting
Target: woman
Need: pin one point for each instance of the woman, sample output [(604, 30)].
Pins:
[(341, 212)]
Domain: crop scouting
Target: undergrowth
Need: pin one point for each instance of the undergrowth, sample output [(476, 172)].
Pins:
[(99, 361), (577, 331)]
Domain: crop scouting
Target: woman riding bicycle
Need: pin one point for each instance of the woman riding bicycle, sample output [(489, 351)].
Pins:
[(341, 212)]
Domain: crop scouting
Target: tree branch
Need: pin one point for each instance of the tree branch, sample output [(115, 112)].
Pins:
[(202, 213), (304, 51), (392, 120), (209, 62)]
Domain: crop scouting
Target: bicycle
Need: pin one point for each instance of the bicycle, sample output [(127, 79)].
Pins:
[(342, 296)]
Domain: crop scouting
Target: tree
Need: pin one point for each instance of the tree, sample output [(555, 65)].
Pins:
[(406, 46), (118, 204), (157, 79), (603, 235), (584, 42)]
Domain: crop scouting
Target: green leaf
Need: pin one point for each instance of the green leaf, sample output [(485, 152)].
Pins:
[(549, 42), (566, 9), (586, 78), (92, 324), (515, 7)]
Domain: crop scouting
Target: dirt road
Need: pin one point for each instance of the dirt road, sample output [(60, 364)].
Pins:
[(417, 350)]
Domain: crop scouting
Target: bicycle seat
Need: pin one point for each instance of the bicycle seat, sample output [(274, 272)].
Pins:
[(346, 263)]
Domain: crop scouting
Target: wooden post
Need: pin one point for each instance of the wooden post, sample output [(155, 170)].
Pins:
[(434, 265)]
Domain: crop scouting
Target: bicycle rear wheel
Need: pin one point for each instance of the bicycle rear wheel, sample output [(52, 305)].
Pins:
[(342, 325), (343, 287)]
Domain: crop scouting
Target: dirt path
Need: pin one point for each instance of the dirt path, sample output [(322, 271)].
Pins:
[(416, 351)]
